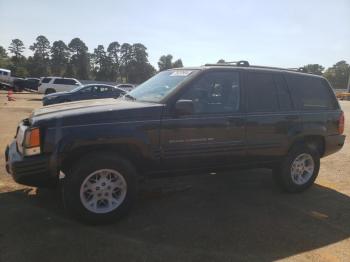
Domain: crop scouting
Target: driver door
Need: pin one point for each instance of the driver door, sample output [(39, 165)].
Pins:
[(214, 134)]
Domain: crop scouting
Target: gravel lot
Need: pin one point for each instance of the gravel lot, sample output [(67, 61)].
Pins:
[(235, 216)]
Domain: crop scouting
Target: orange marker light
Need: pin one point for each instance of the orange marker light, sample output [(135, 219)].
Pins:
[(33, 138)]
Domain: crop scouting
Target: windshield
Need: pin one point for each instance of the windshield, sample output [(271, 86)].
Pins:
[(157, 87)]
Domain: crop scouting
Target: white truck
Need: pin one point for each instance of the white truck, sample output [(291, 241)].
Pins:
[(7, 80)]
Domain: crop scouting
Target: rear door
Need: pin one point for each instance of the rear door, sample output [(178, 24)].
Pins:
[(271, 118), (214, 134)]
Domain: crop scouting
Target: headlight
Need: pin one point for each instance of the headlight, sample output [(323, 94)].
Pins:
[(31, 144)]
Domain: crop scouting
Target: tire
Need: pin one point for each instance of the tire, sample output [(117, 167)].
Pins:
[(294, 179), (82, 182), (49, 91)]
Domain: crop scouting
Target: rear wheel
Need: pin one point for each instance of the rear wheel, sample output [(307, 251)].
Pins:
[(50, 91), (298, 170), (100, 188)]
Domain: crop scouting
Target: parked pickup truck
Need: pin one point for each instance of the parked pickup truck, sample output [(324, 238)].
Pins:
[(6, 79), (188, 120)]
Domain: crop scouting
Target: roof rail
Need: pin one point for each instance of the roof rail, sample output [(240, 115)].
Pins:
[(234, 63), (244, 63)]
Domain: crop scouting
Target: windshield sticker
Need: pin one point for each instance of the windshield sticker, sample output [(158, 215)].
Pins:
[(181, 73)]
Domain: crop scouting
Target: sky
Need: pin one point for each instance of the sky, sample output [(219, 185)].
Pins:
[(288, 33)]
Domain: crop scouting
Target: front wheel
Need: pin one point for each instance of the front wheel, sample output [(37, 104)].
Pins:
[(298, 170), (100, 188)]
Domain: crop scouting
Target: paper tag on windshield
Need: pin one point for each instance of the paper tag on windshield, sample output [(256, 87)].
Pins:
[(181, 73)]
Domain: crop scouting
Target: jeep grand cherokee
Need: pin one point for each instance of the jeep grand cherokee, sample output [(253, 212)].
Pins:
[(189, 119)]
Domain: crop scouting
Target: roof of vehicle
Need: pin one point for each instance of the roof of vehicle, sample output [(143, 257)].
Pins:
[(58, 77), (5, 70), (244, 65)]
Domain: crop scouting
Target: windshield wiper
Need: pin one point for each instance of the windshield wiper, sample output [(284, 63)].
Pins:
[(129, 97)]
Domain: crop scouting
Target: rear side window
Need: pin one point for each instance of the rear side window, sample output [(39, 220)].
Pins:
[(261, 93), (46, 80), (284, 98), (311, 93), (63, 81), (5, 73), (104, 89)]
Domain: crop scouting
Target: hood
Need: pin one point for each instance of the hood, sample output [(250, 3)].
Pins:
[(97, 110)]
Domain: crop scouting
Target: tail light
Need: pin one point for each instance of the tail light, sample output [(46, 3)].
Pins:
[(341, 123)]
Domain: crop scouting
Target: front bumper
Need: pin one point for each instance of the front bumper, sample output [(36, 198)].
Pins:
[(31, 171)]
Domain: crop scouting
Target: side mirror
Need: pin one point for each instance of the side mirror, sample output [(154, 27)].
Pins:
[(184, 107)]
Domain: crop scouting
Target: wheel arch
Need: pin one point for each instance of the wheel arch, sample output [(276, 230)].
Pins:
[(129, 152)]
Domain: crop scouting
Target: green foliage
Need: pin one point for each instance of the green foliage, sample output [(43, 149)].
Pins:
[(39, 63), (165, 62), (80, 60), (59, 58), (315, 69), (177, 63), (4, 59), (338, 74), (16, 48), (139, 68), (113, 52), (102, 64), (120, 62)]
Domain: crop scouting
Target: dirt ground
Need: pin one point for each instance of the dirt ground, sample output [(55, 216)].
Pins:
[(235, 216)]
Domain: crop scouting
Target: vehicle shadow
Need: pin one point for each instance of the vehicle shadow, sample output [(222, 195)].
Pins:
[(241, 216), (35, 99)]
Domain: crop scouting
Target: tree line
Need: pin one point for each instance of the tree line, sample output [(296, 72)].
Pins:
[(119, 62)]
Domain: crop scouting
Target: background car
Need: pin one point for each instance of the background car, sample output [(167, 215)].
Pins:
[(27, 83), (92, 91), (50, 85)]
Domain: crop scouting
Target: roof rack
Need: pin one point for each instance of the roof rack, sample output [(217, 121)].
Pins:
[(234, 63), (244, 63)]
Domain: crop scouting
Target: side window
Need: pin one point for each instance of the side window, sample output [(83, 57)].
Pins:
[(215, 92), (58, 81), (86, 89), (70, 81), (5, 73), (311, 93), (261, 93), (46, 80), (62, 81), (284, 99), (105, 89)]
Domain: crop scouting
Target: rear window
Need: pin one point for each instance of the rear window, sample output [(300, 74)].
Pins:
[(261, 93), (46, 80), (311, 93), (63, 81)]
